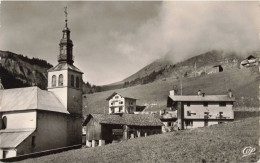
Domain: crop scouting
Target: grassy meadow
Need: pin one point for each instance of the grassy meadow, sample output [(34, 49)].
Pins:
[(217, 143)]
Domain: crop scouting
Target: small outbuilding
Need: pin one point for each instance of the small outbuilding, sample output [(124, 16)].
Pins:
[(249, 62), (217, 68), (106, 128)]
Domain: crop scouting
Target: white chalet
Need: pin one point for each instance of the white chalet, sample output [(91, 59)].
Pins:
[(201, 110), (121, 103)]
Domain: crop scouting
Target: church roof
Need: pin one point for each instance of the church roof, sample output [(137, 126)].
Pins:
[(29, 98), (125, 119), (11, 138), (64, 66)]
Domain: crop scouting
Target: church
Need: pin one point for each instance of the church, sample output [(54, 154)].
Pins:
[(34, 120)]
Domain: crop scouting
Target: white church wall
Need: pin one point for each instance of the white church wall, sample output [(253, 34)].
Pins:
[(61, 94), (74, 101), (26, 146), (74, 131), (51, 131), (20, 119), (8, 153)]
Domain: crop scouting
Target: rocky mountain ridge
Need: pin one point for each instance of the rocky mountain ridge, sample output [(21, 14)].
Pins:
[(20, 71)]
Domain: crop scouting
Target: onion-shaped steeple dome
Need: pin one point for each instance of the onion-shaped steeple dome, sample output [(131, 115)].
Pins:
[(66, 44)]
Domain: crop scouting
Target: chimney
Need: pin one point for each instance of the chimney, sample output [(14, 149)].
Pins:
[(199, 93), (230, 94), (203, 94), (160, 112), (172, 92)]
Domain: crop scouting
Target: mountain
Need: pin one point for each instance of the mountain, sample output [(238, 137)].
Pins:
[(155, 66), (166, 67), (244, 84), (194, 66), (194, 73), (20, 71)]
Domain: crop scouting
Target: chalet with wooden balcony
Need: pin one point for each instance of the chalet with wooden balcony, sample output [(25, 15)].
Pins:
[(201, 110), (121, 103), (169, 120)]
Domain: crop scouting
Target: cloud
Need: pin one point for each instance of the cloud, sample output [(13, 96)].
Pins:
[(189, 28), (113, 40)]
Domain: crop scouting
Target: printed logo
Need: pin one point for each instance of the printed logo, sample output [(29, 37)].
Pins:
[(248, 151)]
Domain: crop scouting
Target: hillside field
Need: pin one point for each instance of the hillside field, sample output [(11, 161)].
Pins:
[(243, 82), (217, 143)]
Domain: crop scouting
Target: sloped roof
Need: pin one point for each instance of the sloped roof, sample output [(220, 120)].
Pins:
[(29, 98), (64, 66), (217, 66), (212, 98), (123, 94), (251, 57), (125, 119), (12, 138)]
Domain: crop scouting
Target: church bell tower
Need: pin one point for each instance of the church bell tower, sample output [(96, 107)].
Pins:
[(65, 79)]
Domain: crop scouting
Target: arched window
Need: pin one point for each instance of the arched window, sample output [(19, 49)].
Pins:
[(4, 122), (53, 83), (72, 80), (77, 82), (60, 80)]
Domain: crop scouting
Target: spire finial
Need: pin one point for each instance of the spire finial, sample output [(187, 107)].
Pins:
[(66, 15)]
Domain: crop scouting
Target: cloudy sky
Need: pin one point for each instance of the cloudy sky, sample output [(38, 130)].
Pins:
[(113, 40)]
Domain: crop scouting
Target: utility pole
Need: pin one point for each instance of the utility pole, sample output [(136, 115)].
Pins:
[(225, 82), (181, 85), (195, 69), (180, 78)]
